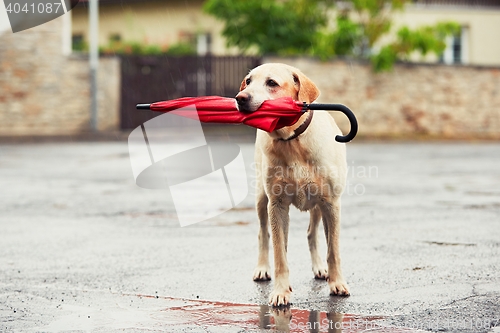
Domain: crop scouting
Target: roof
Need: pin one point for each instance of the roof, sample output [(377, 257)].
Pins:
[(457, 3), (466, 3), (106, 2)]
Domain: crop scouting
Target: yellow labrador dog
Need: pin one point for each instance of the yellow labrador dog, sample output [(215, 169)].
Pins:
[(301, 165)]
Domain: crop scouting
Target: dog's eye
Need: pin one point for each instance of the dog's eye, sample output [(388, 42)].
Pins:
[(248, 81), (272, 83)]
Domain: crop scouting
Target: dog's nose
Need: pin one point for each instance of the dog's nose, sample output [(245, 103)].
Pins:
[(242, 98)]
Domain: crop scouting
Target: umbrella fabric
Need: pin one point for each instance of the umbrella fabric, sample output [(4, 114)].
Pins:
[(272, 114)]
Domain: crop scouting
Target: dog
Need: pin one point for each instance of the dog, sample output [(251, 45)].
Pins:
[(301, 165)]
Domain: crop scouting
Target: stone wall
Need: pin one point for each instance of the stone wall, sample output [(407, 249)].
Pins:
[(415, 100), (43, 92)]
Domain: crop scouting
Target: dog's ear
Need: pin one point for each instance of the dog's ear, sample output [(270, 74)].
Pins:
[(308, 92), (243, 84)]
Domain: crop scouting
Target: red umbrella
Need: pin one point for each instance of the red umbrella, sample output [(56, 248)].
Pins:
[(271, 115)]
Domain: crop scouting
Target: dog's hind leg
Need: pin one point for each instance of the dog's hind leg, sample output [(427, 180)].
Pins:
[(263, 270), (318, 266), (330, 212)]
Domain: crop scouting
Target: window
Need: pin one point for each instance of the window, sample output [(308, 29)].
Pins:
[(187, 38), (115, 38), (456, 49), (78, 42), (203, 44)]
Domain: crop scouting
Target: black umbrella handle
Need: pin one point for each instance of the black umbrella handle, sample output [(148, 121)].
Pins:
[(345, 110)]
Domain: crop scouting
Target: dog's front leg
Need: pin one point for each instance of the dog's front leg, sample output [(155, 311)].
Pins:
[(263, 271), (279, 220), (330, 211)]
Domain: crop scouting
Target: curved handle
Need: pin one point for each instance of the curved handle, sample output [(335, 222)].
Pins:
[(345, 110)]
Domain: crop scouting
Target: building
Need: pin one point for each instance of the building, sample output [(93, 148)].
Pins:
[(168, 22), (156, 22), (478, 43), (44, 88)]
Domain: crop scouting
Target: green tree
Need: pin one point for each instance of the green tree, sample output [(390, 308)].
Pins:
[(424, 40), (287, 27), (270, 27)]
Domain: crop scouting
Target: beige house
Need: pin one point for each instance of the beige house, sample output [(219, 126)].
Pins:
[(167, 22), (159, 22), (479, 42)]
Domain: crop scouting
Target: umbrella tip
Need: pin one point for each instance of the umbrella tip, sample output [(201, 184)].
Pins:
[(143, 106)]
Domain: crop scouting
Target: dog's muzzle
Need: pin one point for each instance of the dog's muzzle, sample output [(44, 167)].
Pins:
[(243, 101)]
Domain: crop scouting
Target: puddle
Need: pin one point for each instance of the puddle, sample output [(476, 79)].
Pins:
[(484, 193), (493, 205), (254, 317), (165, 314), (449, 243)]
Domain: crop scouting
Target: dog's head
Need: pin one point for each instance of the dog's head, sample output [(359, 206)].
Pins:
[(271, 81)]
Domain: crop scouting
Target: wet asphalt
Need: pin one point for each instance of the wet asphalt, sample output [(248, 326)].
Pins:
[(82, 248)]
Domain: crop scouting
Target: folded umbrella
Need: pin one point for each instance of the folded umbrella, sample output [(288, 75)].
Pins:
[(271, 115)]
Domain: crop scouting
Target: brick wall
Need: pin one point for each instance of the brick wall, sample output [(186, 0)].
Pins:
[(43, 92), (458, 102)]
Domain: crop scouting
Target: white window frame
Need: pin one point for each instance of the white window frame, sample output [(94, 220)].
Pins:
[(448, 54)]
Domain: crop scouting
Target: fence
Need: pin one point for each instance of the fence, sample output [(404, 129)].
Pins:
[(146, 79)]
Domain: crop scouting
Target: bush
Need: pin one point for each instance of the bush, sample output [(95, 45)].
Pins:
[(117, 47)]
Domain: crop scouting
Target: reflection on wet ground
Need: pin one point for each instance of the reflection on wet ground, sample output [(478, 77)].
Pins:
[(168, 314), (253, 317)]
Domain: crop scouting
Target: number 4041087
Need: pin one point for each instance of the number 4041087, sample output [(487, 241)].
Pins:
[(39, 8)]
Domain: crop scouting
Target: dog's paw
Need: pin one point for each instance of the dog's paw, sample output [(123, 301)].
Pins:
[(262, 273), (280, 297), (338, 287), (320, 272)]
